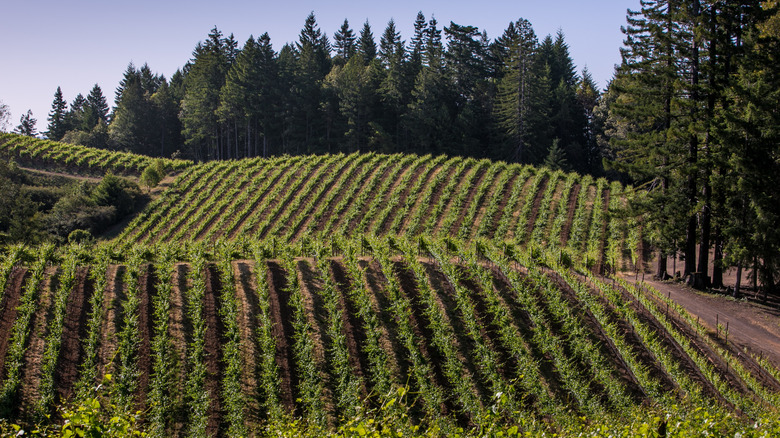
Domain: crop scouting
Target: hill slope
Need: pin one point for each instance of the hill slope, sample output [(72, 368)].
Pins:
[(206, 342), (291, 198)]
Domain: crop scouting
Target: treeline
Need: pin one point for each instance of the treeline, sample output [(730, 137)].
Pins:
[(447, 90), (692, 115)]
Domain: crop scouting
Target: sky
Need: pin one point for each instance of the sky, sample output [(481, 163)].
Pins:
[(76, 44)]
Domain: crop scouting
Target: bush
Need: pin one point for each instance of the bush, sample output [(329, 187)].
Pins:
[(80, 236), (117, 192)]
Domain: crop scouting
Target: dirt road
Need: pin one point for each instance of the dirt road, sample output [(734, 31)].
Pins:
[(751, 325)]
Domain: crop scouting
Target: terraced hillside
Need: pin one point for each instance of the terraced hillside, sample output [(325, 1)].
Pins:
[(64, 157), (226, 340), (290, 198)]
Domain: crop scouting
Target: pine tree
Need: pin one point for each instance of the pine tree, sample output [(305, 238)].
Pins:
[(366, 46), (57, 126), (205, 77), (95, 108), (344, 41), (522, 96)]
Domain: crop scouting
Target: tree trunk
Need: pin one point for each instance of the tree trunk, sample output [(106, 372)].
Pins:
[(661, 268), (739, 280), (704, 248), (717, 262)]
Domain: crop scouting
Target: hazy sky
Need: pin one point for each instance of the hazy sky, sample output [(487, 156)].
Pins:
[(75, 44)]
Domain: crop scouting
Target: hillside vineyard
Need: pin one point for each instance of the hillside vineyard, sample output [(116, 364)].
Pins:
[(221, 341), (312, 294)]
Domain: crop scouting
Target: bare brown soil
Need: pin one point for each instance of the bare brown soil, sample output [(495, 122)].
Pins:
[(422, 331), (180, 332), (599, 338), (74, 329), (753, 327), (33, 355), (575, 191), (374, 282), (505, 193), (111, 324), (354, 328), (214, 339), (679, 355), (71, 176), (470, 198), (535, 208), (283, 332), (248, 310), (147, 293), (416, 175)]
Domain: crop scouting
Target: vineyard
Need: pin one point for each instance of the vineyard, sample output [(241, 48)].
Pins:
[(82, 160), (294, 198), (231, 338), (364, 294)]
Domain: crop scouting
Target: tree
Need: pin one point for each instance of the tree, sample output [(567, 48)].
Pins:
[(5, 116), (366, 46), (27, 125), (344, 42), (588, 98), (556, 158), (74, 119), (654, 152), (57, 125), (95, 108), (522, 95), (204, 80)]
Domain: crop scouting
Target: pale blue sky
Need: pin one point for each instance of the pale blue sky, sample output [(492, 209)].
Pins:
[(75, 44)]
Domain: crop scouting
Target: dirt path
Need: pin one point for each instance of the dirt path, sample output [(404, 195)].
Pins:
[(74, 329), (751, 325), (62, 175), (33, 356), (248, 311)]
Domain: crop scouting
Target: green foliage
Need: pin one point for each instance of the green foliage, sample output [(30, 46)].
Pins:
[(80, 236), (117, 192)]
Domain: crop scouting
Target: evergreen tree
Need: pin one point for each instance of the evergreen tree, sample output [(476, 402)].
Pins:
[(648, 85), (95, 108), (74, 119), (344, 41), (27, 125), (556, 158), (57, 125), (366, 46), (417, 45), (522, 96), (205, 78)]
